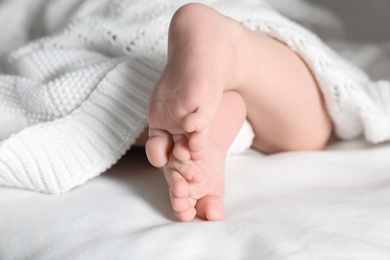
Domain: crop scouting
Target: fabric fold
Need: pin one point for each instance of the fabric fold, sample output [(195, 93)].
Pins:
[(55, 156)]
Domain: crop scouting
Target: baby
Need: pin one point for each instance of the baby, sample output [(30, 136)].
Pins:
[(218, 73)]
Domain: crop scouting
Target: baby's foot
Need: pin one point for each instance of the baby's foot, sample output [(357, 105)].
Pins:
[(197, 185), (201, 66)]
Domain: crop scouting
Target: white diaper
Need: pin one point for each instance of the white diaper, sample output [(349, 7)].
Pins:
[(243, 140)]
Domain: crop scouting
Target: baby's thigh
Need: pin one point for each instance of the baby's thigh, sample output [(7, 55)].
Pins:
[(289, 114)]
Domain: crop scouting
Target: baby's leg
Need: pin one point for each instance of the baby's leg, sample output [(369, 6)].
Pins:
[(210, 54), (284, 103)]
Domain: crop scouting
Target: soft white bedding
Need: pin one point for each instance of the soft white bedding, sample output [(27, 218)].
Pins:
[(314, 205), (332, 204)]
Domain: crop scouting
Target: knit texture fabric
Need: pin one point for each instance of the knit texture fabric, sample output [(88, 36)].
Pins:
[(81, 86)]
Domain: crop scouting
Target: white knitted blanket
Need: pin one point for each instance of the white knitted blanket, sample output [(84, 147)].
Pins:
[(76, 78)]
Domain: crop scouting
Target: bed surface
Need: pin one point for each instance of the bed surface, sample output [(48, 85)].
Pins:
[(332, 204)]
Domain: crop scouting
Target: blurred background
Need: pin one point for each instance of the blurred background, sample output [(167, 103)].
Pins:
[(365, 19)]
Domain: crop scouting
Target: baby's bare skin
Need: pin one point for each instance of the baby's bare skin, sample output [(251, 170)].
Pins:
[(197, 185), (216, 68)]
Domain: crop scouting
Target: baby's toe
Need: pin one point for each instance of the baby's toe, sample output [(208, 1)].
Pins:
[(177, 183), (190, 170), (180, 149), (197, 143), (211, 208), (180, 204), (201, 118), (188, 215), (157, 147)]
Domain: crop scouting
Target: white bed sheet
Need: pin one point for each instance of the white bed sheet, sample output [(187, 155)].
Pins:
[(332, 204)]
